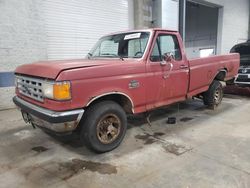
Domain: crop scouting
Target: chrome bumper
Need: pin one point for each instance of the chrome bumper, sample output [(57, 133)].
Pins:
[(60, 122), (242, 79)]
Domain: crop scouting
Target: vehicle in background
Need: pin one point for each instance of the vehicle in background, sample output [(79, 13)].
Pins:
[(243, 77), (125, 73)]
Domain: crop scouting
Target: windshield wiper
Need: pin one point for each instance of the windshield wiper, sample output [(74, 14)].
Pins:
[(113, 55)]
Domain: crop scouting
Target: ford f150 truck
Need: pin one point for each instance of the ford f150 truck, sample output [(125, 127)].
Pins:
[(125, 73)]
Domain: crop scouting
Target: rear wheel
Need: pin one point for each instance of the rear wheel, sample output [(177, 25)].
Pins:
[(213, 96), (103, 126)]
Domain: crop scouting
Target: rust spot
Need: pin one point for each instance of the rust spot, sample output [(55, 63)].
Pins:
[(65, 126), (76, 123)]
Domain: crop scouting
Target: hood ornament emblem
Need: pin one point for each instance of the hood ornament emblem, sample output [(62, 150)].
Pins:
[(244, 71)]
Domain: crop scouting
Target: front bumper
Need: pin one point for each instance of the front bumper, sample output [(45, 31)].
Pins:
[(242, 79), (59, 122)]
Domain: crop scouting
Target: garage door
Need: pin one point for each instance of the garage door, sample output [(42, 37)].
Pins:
[(73, 26), (201, 30)]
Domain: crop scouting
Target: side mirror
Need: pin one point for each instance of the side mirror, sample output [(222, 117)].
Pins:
[(163, 63), (168, 57)]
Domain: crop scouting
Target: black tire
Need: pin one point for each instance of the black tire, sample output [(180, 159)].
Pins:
[(213, 96), (99, 117)]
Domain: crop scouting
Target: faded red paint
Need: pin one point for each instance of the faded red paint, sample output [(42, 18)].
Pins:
[(91, 78)]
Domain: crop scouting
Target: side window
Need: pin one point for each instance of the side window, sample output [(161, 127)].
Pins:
[(156, 55), (166, 44)]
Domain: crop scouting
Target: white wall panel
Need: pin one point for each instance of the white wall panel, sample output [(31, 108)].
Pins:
[(166, 14), (73, 26), (170, 14)]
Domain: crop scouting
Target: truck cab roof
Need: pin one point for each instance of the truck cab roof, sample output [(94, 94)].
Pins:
[(143, 30)]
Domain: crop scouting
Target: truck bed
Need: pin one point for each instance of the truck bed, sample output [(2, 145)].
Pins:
[(203, 70)]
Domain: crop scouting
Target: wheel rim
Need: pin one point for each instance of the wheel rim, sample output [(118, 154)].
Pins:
[(108, 128), (217, 96)]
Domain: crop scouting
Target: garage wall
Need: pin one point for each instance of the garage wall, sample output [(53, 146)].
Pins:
[(170, 14), (22, 40), (73, 27), (233, 23), (143, 13), (166, 14), (33, 30)]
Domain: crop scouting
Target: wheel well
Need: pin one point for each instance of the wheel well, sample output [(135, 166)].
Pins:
[(221, 75), (124, 101)]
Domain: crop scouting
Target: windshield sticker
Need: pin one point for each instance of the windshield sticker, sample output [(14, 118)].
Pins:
[(132, 36)]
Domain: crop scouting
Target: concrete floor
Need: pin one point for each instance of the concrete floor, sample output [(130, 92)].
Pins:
[(204, 149)]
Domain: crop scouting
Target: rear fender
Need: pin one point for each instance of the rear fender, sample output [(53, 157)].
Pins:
[(221, 75)]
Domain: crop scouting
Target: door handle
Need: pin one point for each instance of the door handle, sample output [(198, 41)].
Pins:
[(183, 66), (167, 74)]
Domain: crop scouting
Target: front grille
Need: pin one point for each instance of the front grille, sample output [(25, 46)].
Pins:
[(242, 78), (30, 87), (244, 70)]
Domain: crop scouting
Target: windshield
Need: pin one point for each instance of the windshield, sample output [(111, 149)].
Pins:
[(125, 45)]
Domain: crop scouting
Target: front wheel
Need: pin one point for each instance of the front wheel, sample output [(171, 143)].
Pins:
[(213, 96), (104, 126)]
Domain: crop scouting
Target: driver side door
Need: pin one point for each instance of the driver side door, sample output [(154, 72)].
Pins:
[(167, 81)]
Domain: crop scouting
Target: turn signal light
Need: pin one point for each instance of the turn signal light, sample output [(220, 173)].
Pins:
[(62, 91)]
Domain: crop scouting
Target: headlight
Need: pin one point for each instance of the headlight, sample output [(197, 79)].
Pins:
[(57, 90), (17, 80)]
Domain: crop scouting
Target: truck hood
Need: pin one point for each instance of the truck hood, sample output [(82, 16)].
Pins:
[(245, 60), (51, 69), (244, 50)]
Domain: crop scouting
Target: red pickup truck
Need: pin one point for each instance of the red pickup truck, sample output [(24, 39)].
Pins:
[(125, 73)]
